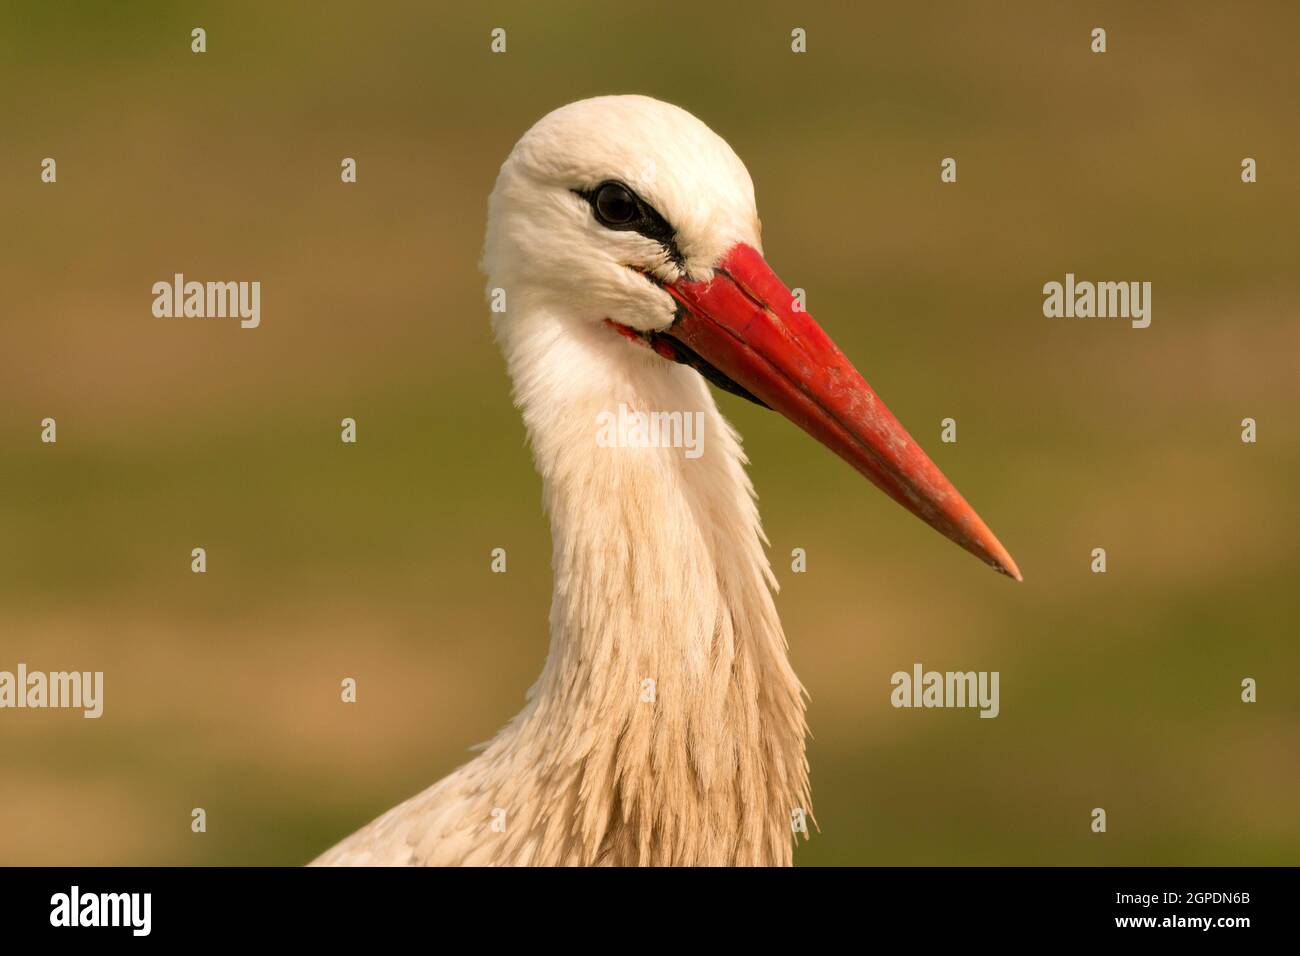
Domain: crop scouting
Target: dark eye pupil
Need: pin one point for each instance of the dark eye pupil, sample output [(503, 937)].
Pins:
[(615, 205)]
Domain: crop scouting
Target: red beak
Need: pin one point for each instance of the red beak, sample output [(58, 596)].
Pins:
[(743, 323)]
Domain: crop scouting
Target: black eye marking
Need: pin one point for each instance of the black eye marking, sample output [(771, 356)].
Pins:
[(617, 207)]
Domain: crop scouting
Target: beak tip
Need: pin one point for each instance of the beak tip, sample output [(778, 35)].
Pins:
[(977, 538), (1003, 563)]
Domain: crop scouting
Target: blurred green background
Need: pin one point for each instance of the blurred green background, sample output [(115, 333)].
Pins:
[(327, 560)]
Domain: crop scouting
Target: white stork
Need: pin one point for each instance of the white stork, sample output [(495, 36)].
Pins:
[(625, 235)]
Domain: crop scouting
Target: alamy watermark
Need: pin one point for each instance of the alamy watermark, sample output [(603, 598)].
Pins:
[(132, 911), (947, 689), (82, 690), (209, 300), (1098, 300), (629, 429)]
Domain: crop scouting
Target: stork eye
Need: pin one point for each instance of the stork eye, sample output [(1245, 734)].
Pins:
[(615, 205)]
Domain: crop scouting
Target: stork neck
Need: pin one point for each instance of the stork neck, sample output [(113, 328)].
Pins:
[(666, 689)]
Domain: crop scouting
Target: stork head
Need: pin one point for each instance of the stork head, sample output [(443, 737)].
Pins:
[(629, 215)]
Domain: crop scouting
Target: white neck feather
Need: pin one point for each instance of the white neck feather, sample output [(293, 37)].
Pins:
[(660, 575)]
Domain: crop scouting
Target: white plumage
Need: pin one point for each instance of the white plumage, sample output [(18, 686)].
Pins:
[(659, 562)]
